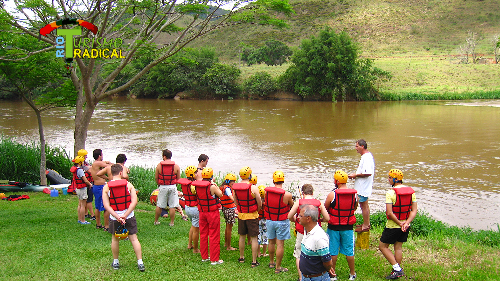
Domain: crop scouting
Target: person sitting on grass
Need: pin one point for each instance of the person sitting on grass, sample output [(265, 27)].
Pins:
[(119, 199), (401, 209)]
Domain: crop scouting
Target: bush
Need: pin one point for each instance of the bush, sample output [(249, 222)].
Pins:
[(220, 79), (260, 84), (329, 66), (21, 162)]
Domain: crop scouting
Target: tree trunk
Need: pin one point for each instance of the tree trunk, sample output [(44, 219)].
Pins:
[(43, 157), (81, 126)]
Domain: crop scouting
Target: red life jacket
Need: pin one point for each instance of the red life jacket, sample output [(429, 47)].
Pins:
[(225, 200), (275, 209), (314, 202), (167, 175), (189, 197), (402, 207), (119, 195), (206, 201), (246, 202), (342, 209), (261, 211), (88, 175), (78, 182)]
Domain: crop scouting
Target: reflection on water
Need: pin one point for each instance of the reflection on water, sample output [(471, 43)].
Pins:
[(448, 151)]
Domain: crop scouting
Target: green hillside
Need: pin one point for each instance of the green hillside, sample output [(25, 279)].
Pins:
[(417, 41), (383, 28)]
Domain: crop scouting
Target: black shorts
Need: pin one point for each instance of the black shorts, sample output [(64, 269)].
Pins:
[(250, 227), (393, 235), (130, 225), (90, 194)]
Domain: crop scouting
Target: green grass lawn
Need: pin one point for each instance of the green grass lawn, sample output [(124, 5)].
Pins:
[(41, 240)]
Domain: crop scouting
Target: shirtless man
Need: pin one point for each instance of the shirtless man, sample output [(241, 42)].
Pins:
[(202, 163), (99, 183)]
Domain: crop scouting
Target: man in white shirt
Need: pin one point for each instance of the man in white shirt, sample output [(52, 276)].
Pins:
[(364, 181)]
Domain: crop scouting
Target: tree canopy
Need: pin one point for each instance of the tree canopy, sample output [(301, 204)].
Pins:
[(128, 30), (329, 66)]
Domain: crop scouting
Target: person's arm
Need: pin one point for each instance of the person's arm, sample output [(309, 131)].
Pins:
[(293, 211), (157, 173), (329, 199), (412, 215), (324, 213), (287, 199), (255, 192), (178, 172), (104, 172), (354, 175), (125, 172), (328, 265), (214, 189), (390, 214), (133, 201)]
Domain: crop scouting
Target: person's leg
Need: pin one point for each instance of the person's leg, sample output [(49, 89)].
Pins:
[(365, 210), (81, 209), (157, 213), (384, 248), (97, 217), (255, 248), (171, 213), (272, 250), (190, 241), (136, 245), (90, 209), (350, 262), (227, 237), (203, 236), (398, 252), (280, 251), (106, 219), (115, 247), (241, 245), (214, 236), (196, 237)]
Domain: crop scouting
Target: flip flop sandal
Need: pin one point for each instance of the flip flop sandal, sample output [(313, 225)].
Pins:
[(99, 226), (105, 229), (272, 265), (185, 218), (241, 260), (255, 264), (282, 269)]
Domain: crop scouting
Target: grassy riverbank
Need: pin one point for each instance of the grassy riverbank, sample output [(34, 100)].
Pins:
[(41, 240)]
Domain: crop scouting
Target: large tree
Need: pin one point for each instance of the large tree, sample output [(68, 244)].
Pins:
[(161, 27), (38, 80)]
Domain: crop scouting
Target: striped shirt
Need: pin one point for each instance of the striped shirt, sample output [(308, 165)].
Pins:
[(314, 251)]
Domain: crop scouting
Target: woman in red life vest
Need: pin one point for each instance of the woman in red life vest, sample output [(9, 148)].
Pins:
[(209, 216), (81, 184), (401, 209)]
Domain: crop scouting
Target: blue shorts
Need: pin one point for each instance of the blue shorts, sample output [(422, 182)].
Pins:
[(98, 197), (362, 199), (343, 240), (278, 229)]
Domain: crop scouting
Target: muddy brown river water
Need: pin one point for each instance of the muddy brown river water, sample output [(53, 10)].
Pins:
[(449, 151)]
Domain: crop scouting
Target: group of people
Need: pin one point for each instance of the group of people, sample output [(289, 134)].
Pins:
[(264, 214)]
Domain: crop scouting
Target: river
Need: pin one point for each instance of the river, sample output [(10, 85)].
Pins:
[(448, 150)]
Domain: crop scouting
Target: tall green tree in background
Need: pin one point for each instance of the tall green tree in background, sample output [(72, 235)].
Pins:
[(161, 28), (329, 66), (39, 80)]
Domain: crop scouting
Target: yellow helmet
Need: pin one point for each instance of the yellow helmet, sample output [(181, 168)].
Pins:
[(230, 177), (82, 152), (207, 173), (245, 173), (278, 176), (262, 190), (397, 174), (340, 176), (121, 232), (79, 159), (190, 170), (253, 179)]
